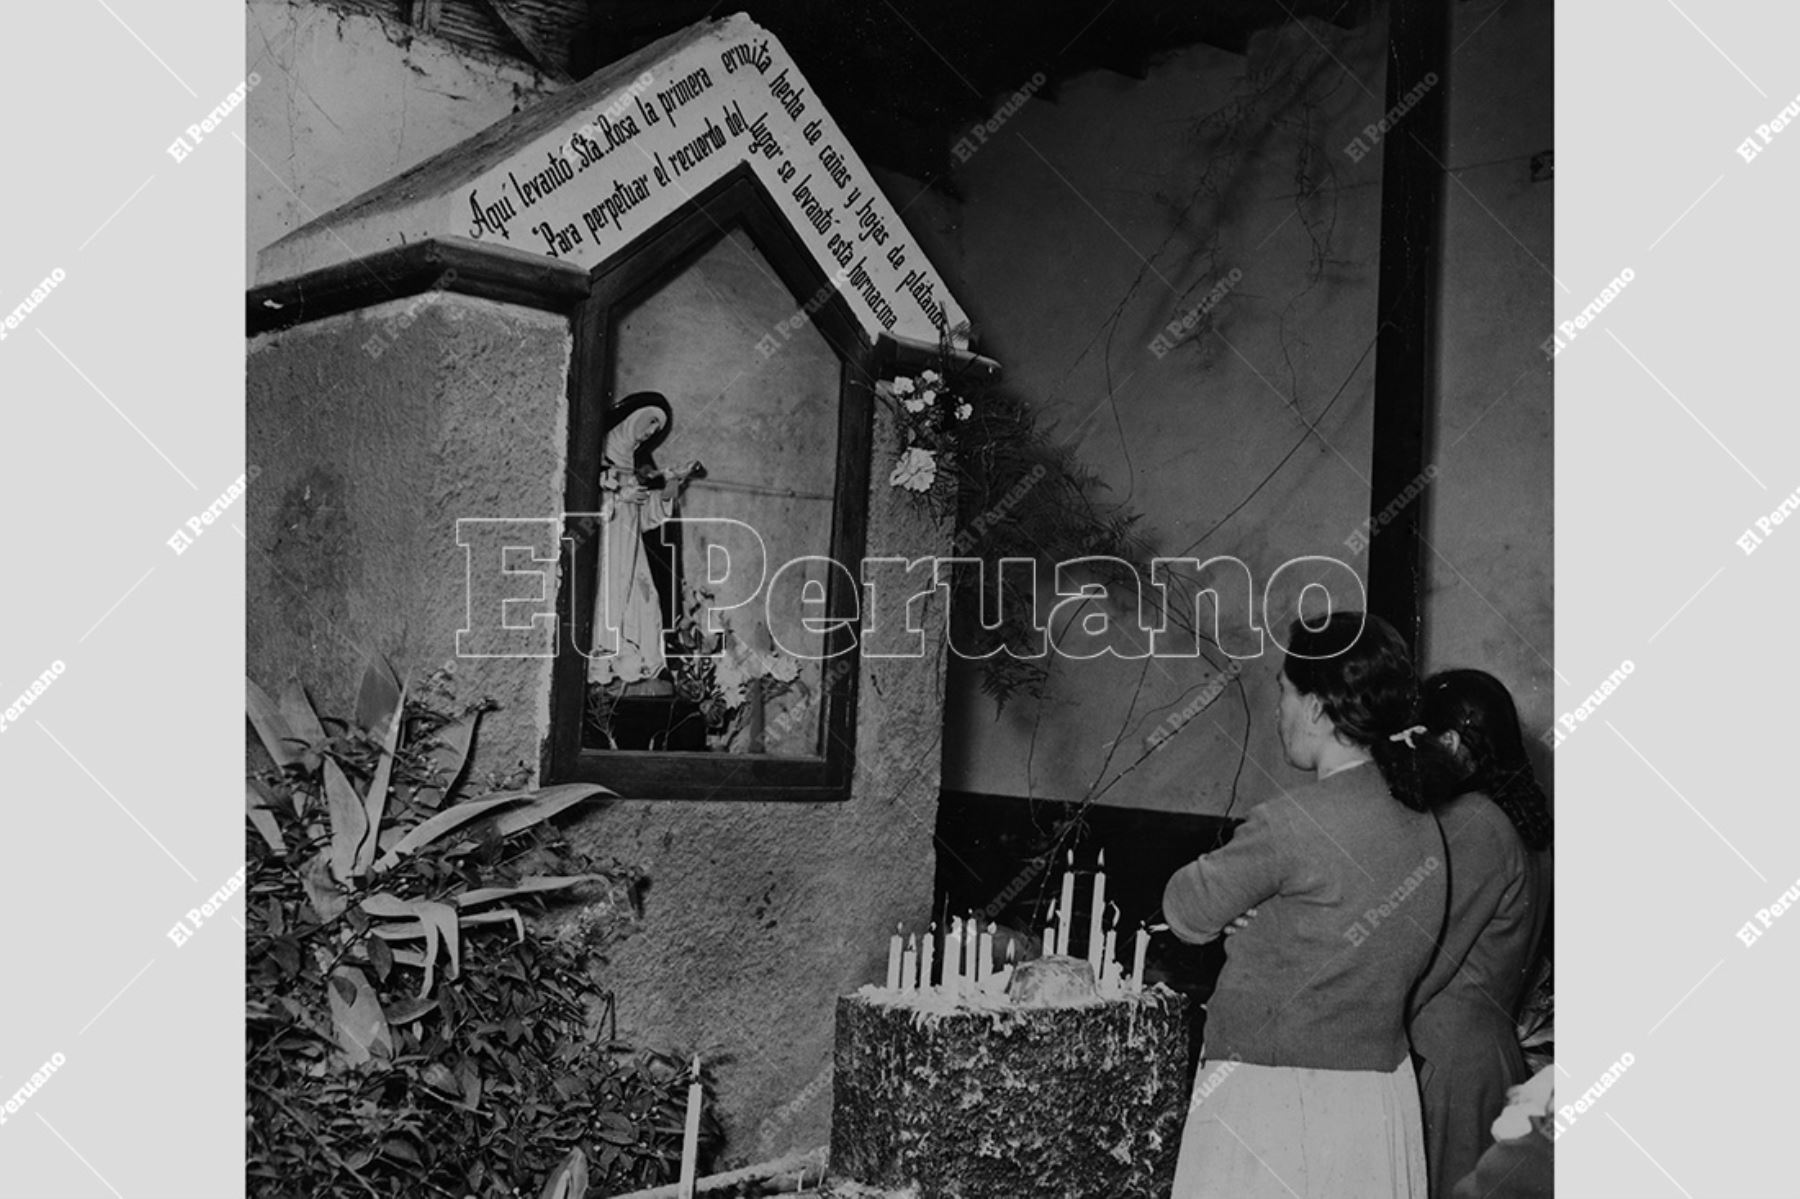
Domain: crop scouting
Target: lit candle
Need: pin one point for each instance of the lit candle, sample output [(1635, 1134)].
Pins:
[(1049, 946), (1012, 949), (971, 946), (984, 954), (1095, 944), (690, 1136), (909, 964), (1066, 909), (1137, 961), (925, 952), (953, 941), (893, 975)]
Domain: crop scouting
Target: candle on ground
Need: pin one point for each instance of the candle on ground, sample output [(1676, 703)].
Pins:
[(971, 943), (1137, 960), (953, 941), (925, 952), (893, 973), (909, 964), (1049, 945), (1066, 931), (690, 1136), (984, 954), (1095, 943)]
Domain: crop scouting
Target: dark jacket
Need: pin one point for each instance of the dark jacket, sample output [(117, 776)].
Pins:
[(1349, 887)]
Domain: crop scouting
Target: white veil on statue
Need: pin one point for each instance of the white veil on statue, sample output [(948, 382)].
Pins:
[(628, 607)]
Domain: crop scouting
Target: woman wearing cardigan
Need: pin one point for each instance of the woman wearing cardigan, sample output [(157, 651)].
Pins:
[(1305, 1086), (1463, 1026)]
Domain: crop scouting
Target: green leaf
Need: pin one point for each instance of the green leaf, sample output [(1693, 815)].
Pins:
[(379, 696), (569, 1180), (382, 959), (548, 802), (322, 891), (376, 800), (451, 754), (498, 916), (270, 725), (613, 1127), (349, 821), (427, 831), (257, 803), (525, 886), (361, 1029), (302, 720), (408, 1010), (441, 918)]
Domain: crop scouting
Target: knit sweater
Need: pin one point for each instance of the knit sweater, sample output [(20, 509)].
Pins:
[(1349, 887)]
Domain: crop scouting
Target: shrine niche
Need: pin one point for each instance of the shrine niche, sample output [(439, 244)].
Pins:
[(709, 447), (735, 283)]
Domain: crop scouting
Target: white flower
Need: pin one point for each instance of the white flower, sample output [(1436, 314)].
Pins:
[(930, 376), (916, 470), (929, 395), (903, 386), (783, 668), (918, 403), (964, 410)]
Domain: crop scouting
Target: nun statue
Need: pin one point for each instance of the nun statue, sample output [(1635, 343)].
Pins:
[(639, 575)]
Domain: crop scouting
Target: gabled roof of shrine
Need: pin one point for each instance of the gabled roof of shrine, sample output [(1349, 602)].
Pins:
[(584, 173)]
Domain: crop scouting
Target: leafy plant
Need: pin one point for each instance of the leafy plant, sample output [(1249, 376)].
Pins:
[(408, 1033), (1014, 490)]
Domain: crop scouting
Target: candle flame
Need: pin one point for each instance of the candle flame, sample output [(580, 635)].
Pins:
[(1103, 859)]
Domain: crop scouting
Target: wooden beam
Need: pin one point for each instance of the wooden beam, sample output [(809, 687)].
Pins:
[(516, 25), (1406, 384)]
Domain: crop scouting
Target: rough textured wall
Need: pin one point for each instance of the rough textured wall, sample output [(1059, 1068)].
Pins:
[(757, 916), (1095, 218), (348, 100), (367, 462)]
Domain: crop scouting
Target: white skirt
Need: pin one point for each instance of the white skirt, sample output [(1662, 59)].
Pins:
[(1285, 1132)]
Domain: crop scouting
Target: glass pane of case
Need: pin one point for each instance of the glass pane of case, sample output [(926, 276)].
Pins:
[(716, 366)]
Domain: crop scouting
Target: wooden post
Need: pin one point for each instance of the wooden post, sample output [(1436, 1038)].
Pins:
[(1412, 187)]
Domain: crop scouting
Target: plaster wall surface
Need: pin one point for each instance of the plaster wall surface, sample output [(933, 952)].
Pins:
[(375, 432), (1105, 212), (348, 100)]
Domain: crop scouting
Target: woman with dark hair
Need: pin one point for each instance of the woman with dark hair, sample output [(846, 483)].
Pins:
[(1496, 832), (1305, 1086)]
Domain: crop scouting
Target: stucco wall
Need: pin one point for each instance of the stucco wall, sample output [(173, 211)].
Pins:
[(367, 461), (347, 101), (1095, 217), (757, 916)]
